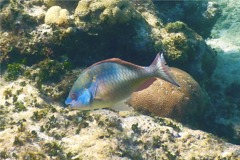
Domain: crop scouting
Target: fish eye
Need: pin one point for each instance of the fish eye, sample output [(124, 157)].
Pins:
[(73, 96)]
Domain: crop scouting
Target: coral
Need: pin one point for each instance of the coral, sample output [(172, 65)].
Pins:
[(57, 15), (187, 50), (184, 103), (181, 42), (104, 12)]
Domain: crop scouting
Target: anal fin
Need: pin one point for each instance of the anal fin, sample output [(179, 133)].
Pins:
[(121, 106)]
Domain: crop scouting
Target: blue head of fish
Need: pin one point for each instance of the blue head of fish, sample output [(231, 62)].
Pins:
[(79, 99)]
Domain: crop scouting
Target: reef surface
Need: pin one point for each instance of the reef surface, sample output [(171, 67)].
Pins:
[(36, 127)]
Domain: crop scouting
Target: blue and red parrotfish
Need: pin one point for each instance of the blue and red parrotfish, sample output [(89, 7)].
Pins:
[(113, 80)]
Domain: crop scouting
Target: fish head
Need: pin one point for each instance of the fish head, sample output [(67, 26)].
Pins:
[(79, 99)]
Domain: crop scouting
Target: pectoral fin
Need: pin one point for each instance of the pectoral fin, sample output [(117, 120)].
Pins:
[(96, 89)]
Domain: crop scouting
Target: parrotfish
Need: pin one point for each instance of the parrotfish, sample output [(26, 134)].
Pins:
[(110, 81)]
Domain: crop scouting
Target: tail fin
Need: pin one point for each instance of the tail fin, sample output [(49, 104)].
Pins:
[(161, 70)]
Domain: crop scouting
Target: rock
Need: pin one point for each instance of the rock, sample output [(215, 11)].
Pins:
[(57, 15), (185, 103), (181, 42), (35, 127), (198, 15), (109, 22), (187, 50), (224, 85), (184, 47)]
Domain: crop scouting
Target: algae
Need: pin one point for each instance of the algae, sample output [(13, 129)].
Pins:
[(13, 71)]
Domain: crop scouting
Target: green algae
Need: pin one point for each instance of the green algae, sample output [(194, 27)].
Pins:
[(25, 137), (22, 126), (33, 155), (50, 70), (3, 154), (7, 93), (182, 44), (48, 75), (108, 122), (19, 107), (52, 123), (167, 122), (3, 123), (18, 141), (38, 115), (176, 27), (135, 128), (13, 71), (53, 148), (156, 142), (187, 50)]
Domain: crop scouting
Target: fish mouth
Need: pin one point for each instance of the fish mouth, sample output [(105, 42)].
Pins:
[(72, 103), (68, 101)]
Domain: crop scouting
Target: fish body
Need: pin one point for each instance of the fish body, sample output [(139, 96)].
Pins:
[(107, 82)]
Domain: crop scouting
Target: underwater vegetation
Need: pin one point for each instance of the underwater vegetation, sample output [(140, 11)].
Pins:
[(46, 44)]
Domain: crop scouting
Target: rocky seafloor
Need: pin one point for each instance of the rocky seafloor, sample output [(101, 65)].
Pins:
[(45, 44), (35, 127)]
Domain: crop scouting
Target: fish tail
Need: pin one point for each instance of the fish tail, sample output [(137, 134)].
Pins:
[(160, 69)]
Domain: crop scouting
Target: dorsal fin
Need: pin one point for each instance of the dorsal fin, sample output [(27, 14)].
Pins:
[(155, 61), (118, 61)]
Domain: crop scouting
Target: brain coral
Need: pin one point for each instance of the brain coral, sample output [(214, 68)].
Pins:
[(166, 100), (57, 15)]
